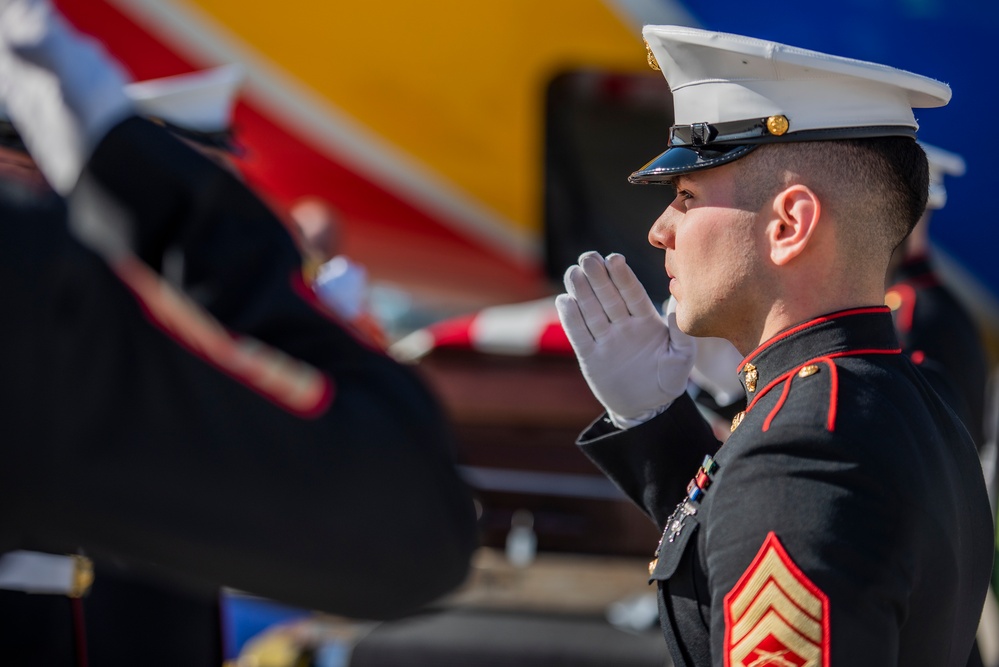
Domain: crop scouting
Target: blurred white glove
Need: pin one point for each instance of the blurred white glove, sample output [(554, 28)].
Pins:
[(635, 363), (715, 368), (342, 286), (61, 91)]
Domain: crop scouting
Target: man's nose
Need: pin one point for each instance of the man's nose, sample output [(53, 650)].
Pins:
[(662, 234)]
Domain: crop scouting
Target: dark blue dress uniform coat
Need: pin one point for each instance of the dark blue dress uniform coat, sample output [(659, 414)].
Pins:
[(938, 332), (266, 448), (844, 522)]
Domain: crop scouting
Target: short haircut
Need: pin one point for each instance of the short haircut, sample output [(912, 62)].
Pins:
[(876, 188)]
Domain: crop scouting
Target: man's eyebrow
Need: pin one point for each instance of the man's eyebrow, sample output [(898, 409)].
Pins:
[(677, 181)]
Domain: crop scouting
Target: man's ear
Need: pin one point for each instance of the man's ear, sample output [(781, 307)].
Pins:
[(796, 211)]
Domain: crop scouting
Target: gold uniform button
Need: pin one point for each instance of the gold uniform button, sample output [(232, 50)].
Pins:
[(737, 419), (652, 565), (810, 369), (752, 376)]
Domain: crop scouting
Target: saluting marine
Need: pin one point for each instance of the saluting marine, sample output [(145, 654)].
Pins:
[(219, 430), (126, 618), (845, 520)]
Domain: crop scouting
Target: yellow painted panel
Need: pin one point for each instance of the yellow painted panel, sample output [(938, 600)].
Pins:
[(458, 85)]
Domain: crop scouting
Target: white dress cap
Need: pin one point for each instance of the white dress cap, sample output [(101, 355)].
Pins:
[(731, 93), (942, 163), (198, 102)]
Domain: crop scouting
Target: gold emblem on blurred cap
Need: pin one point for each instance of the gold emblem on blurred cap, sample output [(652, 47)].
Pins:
[(83, 576), (777, 125), (651, 57)]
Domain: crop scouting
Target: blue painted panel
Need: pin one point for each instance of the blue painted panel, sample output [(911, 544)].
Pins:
[(953, 41)]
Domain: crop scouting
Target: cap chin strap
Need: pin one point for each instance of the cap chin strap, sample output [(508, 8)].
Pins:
[(706, 145), (762, 131)]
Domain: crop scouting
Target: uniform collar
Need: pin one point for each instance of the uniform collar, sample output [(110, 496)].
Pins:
[(914, 268), (851, 331)]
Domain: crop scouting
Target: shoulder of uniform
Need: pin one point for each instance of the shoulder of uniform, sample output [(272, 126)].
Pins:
[(806, 396)]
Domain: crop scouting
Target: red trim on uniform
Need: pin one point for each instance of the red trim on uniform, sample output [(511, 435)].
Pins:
[(907, 293), (810, 323), (79, 632), (309, 296), (772, 544), (780, 401), (203, 337), (833, 355), (833, 391)]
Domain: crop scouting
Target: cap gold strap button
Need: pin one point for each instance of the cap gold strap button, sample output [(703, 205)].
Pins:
[(652, 565), (777, 125)]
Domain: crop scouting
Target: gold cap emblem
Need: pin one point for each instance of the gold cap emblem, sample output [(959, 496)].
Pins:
[(737, 419), (751, 377), (651, 58), (777, 125), (810, 369)]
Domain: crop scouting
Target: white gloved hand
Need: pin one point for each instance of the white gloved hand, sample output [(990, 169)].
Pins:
[(635, 363), (61, 91), (342, 286)]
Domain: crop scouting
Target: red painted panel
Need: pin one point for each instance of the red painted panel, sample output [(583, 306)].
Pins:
[(394, 239)]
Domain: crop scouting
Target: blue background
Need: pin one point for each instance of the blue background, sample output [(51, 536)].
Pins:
[(952, 41)]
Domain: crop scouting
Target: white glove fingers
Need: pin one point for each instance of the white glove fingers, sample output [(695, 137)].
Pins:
[(592, 312), (636, 299), (61, 90), (574, 325), (603, 286)]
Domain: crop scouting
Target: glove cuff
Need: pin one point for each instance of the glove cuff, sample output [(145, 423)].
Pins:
[(624, 423)]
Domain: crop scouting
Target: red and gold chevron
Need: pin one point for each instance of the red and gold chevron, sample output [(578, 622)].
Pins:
[(775, 616)]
